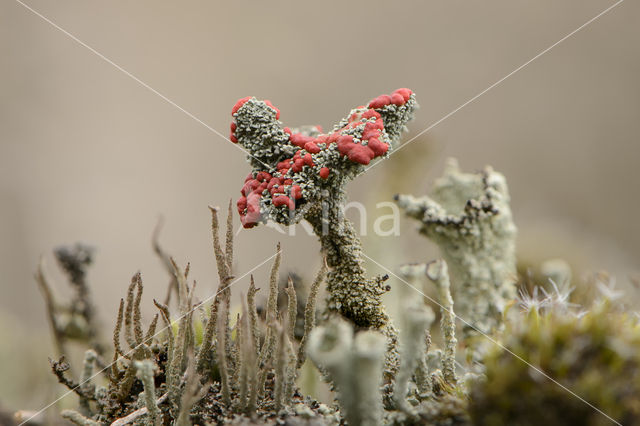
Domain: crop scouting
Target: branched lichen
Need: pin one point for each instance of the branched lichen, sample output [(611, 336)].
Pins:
[(302, 176), (469, 217)]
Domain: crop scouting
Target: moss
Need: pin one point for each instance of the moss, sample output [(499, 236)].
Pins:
[(595, 357)]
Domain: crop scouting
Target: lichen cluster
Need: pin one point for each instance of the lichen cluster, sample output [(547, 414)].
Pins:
[(468, 352), (199, 367)]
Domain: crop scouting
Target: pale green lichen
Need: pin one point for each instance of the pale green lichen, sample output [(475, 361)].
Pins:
[(145, 372), (417, 319), (468, 216), (438, 273), (355, 367)]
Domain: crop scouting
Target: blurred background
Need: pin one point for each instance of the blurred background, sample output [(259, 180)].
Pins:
[(88, 154)]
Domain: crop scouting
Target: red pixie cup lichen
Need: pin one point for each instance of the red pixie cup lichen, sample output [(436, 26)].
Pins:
[(301, 163), (301, 173)]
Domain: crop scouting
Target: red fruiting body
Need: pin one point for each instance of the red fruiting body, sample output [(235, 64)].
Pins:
[(252, 215), (370, 132), (378, 148), (405, 93), (380, 101), (298, 139), (360, 154), (248, 187), (241, 204), (232, 137), (370, 113), (321, 139), (283, 200), (262, 176), (308, 160), (397, 99), (239, 104), (312, 147), (345, 143), (276, 190), (324, 172), (296, 192), (297, 165)]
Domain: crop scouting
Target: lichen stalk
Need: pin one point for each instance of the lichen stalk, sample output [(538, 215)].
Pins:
[(87, 387), (310, 312), (292, 309), (349, 291), (222, 359), (437, 272), (78, 419), (422, 373), (145, 372), (281, 368), (417, 319), (253, 313), (355, 366), (369, 354), (115, 372)]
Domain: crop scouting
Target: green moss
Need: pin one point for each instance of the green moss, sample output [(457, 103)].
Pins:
[(596, 356)]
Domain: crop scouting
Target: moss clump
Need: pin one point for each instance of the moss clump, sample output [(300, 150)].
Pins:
[(595, 356)]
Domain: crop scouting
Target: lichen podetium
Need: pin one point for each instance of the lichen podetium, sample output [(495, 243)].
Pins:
[(468, 216)]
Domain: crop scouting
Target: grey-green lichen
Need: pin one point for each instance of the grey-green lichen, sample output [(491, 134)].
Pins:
[(417, 321), (355, 367), (468, 216), (437, 272)]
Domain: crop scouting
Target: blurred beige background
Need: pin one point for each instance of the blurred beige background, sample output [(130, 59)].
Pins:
[(88, 154)]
